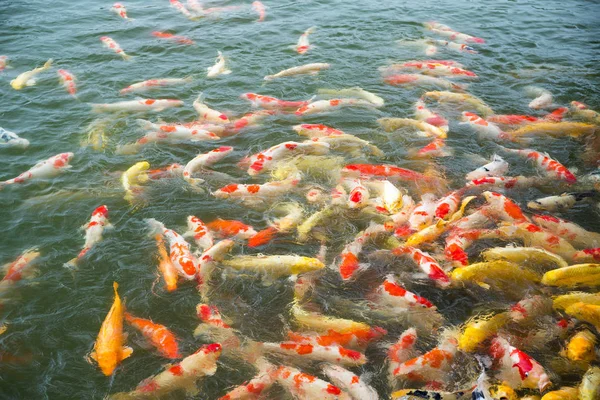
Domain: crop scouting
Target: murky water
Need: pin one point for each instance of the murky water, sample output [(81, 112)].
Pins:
[(54, 319)]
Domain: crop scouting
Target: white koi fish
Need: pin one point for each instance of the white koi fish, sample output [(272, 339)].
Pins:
[(142, 105), (543, 98), (391, 294), (304, 386), (202, 161), (312, 69), (316, 130), (93, 233), (561, 202), (4, 63), (485, 129), (496, 167), (44, 169), (422, 80), (272, 103), (313, 351), (207, 114), (28, 78), (260, 9), (219, 67), (176, 4), (303, 44), (258, 193), (207, 262), (11, 139), (422, 113), (153, 84), (110, 43)]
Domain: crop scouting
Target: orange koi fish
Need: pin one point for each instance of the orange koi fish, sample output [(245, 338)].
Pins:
[(158, 335)]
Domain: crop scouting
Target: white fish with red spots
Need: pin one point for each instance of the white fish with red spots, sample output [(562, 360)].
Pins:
[(49, 168), (219, 68), (111, 44), (321, 106), (354, 92), (303, 44), (391, 294), (420, 80), (199, 231), (257, 193), (485, 129), (93, 233), (142, 105), (265, 160), (207, 114), (312, 69), (316, 130), (346, 380), (121, 11), (446, 31), (309, 351), (461, 47), (422, 113), (549, 166), (202, 161), (207, 262), (303, 386), (260, 9), (68, 81), (153, 84), (272, 103), (183, 260), (176, 4)]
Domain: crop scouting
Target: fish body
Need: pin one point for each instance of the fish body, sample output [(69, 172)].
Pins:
[(133, 179), (427, 264), (111, 44), (303, 44), (313, 321), (176, 4), (496, 272), (522, 255), (348, 143), (551, 167), (308, 351), (321, 106), (219, 68), (158, 335), (49, 168), (19, 269), (421, 80), (207, 262), (256, 193), (231, 228), (121, 11), (109, 350), (260, 9), (423, 214), (346, 380), (182, 258), (265, 160), (316, 130), (562, 302), (392, 124), (28, 78), (68, 81), (431, 366), (570, 231), (253, 389), (152, 84), (422, 113), (585, 312), (485, 129), (208, 114), (560, 202), (464, 100), (142, 105), (200, 232), (202, 161), (477, 330), (354, 92), (446, 31), (434, 69), (272, 103), (460, 47), (573, 275), (555, 129), (391, 294), (402, 351), (11, 139), (165, 265), (93, 232), (589, 388), (582, 347), (391, 172), (175, 38), (311, 69), (496, 167), (504, 208), (275, 266)]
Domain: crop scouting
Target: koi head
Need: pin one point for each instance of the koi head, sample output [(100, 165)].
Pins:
[(101, 211)]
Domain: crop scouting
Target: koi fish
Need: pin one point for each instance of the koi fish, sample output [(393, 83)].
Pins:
[(231, 228), (551, 167), (505, 182), (11, 139), (460, 47), (182, 258), (573, 275), (512, 119), (496, 167), (175, 38), (260, 9), (402, 351), (432, 69), (445, 30), (422, 113), (321, 106), (321, 323), (182, 375), (256, 386), (431, 366), (219, 68), (460, 99), (392, 124), (312, 69), (264, 160), (516, 367), (543, 99), (49, 168), (478, 329), (523, 255), (349, 264), (111, 44), (349, 143), (391, 294), (316, 130), (333, 354), (257, 193), (176, 4), (207, 262), (208, 114), (349, 382), (20, 268), (570, 231), (495, 273), (109, 350), (202, 161), (422, 80), (248, 120), (133, 178), (555, 129), (68, 81), (485, 129), (578, 110), (121, 11), (387, 171), (28, 78), (303, 45), (142, 105), (272, 103), (354, 92), (169, 134), (93, 233), (427, 264), (275, 266), (533, 235), (3, 63), (153, 84), (158, 335), (504, 208), (165, 266)]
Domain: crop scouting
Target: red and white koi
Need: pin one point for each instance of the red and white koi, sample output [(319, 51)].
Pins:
[(517, 368), (427, 264), (587, 256), (461, 47), (200, 232), (182, 258), (512, 119), (423, 214), (311, 69), (349, 265), (182, 375), (230, 228), (255, 192), (265, 160), (570, 231), (176, 4), (421, 80), (392, 124), (333, 353), (389, 198), (462, 100), (422, 113), (260, 9), (321, 106), (153, 84), (496, 167), (202, 161), (534, 236), (170, 134), (207, 114), (354, 92), (303, 44), (504, 182), (304, 386), (402, 351), (207, 262), (49, 168), (387, 171), (20, 268), (68, 81), (158, 335), (272, 103), (504, 208), (391, 294), (432, 366), (349, 143), (93, 233), (358, 196), (446, 31), (169, 36), (111, 44), (248, 120), (142, 105), (530, 307), (433, 69), (316, 130), (253, 389), (219, 68), (356, 387), (485, 129), (448, 205), (549, 166), (121, 11)]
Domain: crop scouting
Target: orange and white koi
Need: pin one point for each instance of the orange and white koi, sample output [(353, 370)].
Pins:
[(549, 166), (231, 229), (145, 105), (272, 103), (253, 389), (255, 192), (463, 100), (355, 339), (248, 120), (392, 124), (459, 239), (182, 258), (587, 255), (448, 205), (349, 264), (109, 350), (68, 81), (485, 129), (354, 92), (210, 314), (556, 115), (182, 375), (533, 235), (158, 335), (176, 4), (202, 161), (153, 84), (423, 214), (436, 148), (578, 110), (391, 294), (207, 262), (530, 307), (304, 386), (176, 38), (321, 106), (517, 368), (504, 208), (422, 113), (121, 11), (570, 231), (421, 80), (200, 232), (432, 366), (265, 160), (219, 68), (93, 233), (49, 168), (461, 47), (312, 69), (308, 351), (111, 44), (260, 9), (169, 134), (303, 44), (316, 130), (165, 266), (22, 267), (208, 114), (427, 264), (504, 182), (354, 385), (444, 30), (402, 351), (496, 167)]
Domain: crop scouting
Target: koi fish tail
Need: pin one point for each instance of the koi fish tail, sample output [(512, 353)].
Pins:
[(48, 64)]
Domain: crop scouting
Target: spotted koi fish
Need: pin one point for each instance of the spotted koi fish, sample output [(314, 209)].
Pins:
[(208, 114), (432, 366), (200, 232), (49, 168), (264, 160), (158, 335), (272, 103), (253, 389), (496, 167), (391, 294), (434, 69), (111, 44), (93, 233), (182, 258), (422, 113), (568, 230), (551, 167), (155, 105), (202, 161), (303, 44), (427, 264), (176, 4), (18, 269), (402, 351), (68, 81), (446, 31), (349, 265), (231, 229), (321, 106), (354, 385), (207, 262), (334, 354), (305, 386), (316, 130), (248, 120), (255, 192), (121, 11), (153, 84)]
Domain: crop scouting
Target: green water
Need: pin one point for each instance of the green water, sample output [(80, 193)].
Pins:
[(55, 317)]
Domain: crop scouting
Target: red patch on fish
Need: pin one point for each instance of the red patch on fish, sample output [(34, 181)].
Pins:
[(176, 370)]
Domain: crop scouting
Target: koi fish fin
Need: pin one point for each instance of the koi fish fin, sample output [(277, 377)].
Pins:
[(30, 82), (126, 351), (48, 64)]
